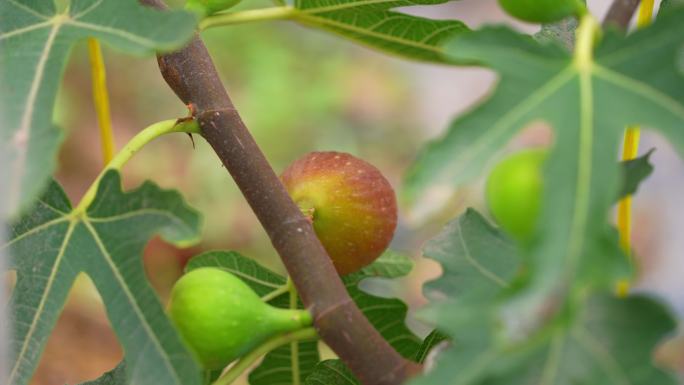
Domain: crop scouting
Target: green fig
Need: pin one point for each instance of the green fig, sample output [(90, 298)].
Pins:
[(514, 192), (543, 11), (208, 7), (221, 318), (352, 206)]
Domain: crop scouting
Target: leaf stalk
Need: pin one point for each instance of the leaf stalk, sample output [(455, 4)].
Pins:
[(246, 361), (249, 16), (586, 35), (144, 137)]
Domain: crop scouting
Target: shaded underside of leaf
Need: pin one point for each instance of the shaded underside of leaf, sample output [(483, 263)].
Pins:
[(331, 372), (276, 367)]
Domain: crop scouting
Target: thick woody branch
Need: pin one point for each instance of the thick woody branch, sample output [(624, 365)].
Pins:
[(620, 13), (191, 74)]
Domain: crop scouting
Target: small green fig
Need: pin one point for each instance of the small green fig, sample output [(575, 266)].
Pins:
[(352, 206), (222, 318), (208, 7), (514, 192), (542, 11)]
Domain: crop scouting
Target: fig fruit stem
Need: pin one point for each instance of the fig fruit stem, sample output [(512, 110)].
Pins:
[(246, 361), (308, 209), (101, 99), (252, 15), (294, 345), (144, 137)]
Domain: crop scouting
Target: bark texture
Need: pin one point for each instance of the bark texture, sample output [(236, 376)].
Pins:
[(620, 13)]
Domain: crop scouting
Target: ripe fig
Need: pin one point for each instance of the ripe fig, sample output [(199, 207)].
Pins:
[(221, 318), (208, 7), (514, 192), (542, 11), (352, 206)]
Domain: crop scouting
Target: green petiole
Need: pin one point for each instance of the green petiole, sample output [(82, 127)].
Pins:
[(132, 147), (274, 13), (246, 362)]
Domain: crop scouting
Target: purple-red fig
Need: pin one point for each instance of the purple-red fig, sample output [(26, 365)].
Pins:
[(352, 206)]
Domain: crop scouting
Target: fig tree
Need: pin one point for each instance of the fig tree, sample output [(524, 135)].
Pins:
[(221, 318), (352, 206)]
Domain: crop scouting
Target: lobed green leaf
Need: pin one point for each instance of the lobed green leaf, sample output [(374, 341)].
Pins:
[(51, 244), (592, 342), (588, 100), (35, 40)]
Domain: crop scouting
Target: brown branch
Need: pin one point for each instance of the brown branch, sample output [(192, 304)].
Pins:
[(620, 13), (191, 74)]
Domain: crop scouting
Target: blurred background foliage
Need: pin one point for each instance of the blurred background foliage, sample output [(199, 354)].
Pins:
[(298, 91)]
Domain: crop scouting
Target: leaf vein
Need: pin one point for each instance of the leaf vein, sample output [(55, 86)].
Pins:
[(131, 298), (117, 32), (34, 230), (22, 135), (590, 344), (639, 87), (43, 299), (483, 270), (30, 10)]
